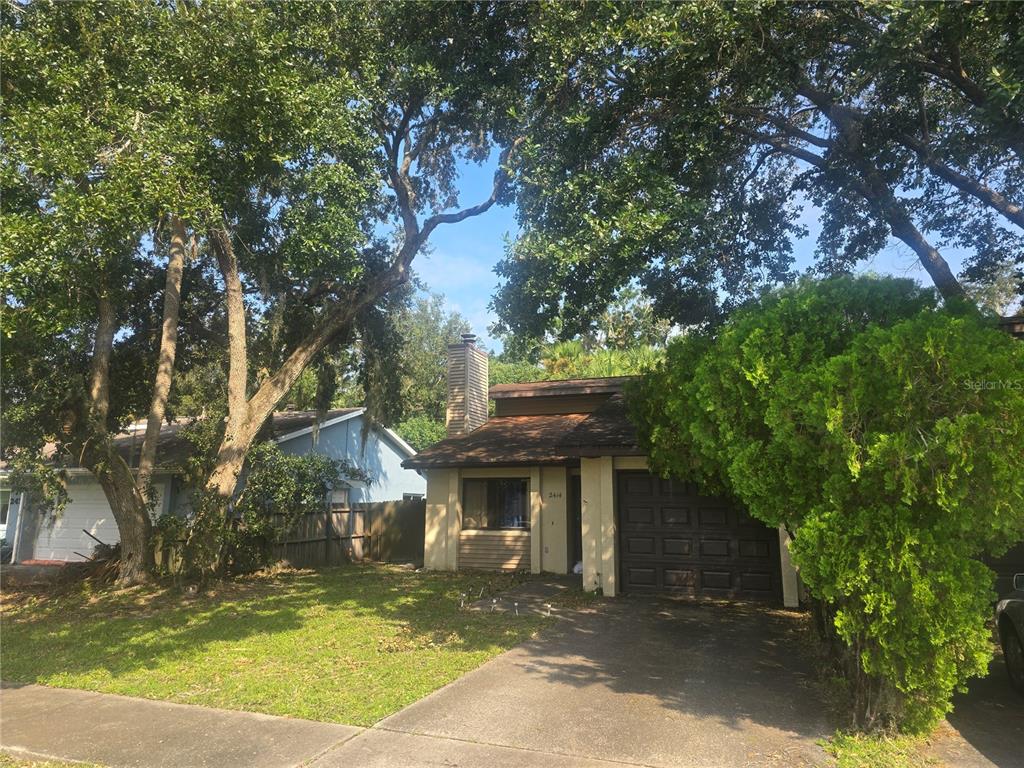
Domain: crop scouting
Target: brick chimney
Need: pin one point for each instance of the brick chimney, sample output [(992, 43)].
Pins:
[(467, 386)]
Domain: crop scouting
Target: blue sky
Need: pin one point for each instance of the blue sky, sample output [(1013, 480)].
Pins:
[(461, 258)]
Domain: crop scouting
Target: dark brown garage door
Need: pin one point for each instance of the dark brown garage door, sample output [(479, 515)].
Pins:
[(673, 539)]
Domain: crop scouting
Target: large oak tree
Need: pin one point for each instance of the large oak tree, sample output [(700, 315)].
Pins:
[(291, 159)]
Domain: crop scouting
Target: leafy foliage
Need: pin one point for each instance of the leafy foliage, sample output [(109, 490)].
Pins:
[(279, 489), (884, 435), (674, 145), (422, 431), (426, 329)]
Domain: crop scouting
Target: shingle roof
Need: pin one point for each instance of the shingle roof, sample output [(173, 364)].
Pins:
[(606, 431), (547, 439), (173, 449), (606, 385), (503, 440)]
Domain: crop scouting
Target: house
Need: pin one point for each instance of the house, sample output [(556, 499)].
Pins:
[(555, 481), (87, 517)]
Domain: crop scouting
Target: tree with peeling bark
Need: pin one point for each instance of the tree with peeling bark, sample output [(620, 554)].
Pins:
[(674, 146), (263, 151)]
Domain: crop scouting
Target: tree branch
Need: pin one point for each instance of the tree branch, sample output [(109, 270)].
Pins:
[(969, 186), (784, 125), (877, 191), (501, 177), (781, 144), (1011, 131)]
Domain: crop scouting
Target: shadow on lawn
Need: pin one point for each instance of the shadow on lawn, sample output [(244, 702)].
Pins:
[(124, 633)]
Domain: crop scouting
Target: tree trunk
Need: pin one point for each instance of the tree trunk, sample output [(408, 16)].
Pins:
[(236, 440), (246, 416), (242, 430), (168, 350), (109, 468), (130, 513), (934, 264), (99, 369)]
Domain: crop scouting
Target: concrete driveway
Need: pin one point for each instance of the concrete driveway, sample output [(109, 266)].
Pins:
[(639, 682), (986, 727)]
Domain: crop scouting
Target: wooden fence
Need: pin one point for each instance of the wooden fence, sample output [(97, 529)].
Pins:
[(388, 531)]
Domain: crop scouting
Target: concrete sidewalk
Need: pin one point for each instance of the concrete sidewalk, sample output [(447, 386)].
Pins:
[(120, 731)]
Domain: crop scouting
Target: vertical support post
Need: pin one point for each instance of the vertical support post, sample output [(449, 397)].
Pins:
[(590, 529), (609, 559), (536, 529), (790, 580)]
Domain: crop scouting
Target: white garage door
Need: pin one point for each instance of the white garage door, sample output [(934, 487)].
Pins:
[(63, 538)]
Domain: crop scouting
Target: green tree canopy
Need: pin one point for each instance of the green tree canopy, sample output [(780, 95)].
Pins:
[(288, 159), (674, 144)]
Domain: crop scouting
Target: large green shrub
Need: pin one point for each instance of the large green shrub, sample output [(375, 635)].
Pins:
[(278, 489), (886, 435)]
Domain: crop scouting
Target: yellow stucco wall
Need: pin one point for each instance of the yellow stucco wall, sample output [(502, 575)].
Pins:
[(554, 527), (590, 500), (435, 526), (549, 530), (548, 515)]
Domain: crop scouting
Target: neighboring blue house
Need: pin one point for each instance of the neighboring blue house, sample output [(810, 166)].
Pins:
[(381, 456), (69, 536)]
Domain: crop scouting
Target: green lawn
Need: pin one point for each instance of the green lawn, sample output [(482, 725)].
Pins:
[(345, 645)]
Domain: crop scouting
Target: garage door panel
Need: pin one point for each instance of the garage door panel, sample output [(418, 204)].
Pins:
[(723, 553), (677, 547), (641, 577), (675, 578), (640, 545), (714, 547), (714, 517), (754, 549), (640, 515), (675, 516), (758, 582)]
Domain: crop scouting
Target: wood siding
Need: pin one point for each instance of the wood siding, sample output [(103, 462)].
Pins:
[(467, 388), (544, 406), (476, 387), (494, 550)]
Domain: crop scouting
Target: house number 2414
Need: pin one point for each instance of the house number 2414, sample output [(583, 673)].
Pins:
[(554, 494)]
